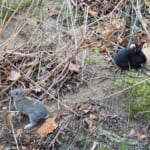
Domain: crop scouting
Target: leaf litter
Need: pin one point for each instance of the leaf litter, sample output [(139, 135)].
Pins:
[(55, 68)]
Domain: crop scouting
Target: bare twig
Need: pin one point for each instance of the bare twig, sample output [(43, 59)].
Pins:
[(6, 117), (62, 127)]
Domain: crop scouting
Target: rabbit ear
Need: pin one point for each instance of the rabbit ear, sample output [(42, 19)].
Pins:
[(137, 48)]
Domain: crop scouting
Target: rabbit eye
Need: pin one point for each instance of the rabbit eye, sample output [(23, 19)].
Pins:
[(16, 93)]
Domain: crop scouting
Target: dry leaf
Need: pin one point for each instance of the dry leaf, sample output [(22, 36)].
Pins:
[(142, 131), (105, 112), (141, 136), (103, 50), (74, 67), (13, 74), (19, 131), (27, 139), (53, 14), (142, 42), (10, 68), (91, 125), (86, 110), (94, 116), (48, 127), (93, 13), (132, 132), (25, 148)]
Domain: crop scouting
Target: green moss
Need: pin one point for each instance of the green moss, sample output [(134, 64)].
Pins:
[(92, 61), (138, 94)]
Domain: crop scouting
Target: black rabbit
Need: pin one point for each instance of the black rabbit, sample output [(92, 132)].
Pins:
[(130, 57)]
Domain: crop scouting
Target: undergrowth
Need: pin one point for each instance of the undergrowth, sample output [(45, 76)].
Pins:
[(137, 92), (9, 7)]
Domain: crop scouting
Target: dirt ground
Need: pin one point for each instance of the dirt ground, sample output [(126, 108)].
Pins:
[(90, 120)]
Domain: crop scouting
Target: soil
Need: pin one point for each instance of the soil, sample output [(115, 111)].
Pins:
[(97, 86)]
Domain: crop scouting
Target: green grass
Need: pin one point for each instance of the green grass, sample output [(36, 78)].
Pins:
[(92, 61)]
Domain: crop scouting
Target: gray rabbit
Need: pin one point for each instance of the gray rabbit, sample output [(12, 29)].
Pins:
[(35, 109)]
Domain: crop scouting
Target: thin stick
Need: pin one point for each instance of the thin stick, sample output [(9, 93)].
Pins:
[(60, 130), (6, 117), (19, 5), (14, 135), (94, 145)]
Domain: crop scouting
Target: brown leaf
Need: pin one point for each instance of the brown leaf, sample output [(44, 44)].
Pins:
[(141, 136), (19, 131), (91, 125), (105, 112), (74, 67), (94, 116), (10, 68), (48, 127), (93, 13), (25, 148), (26, 139), (86, 110), (142, 42), (132, 132), (53, 14), (13, 74), (103, 50)]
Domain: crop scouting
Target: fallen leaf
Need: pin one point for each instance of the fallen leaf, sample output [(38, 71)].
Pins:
[(94, 116), (25, 139), (74, 67), (142, 131), (132, 132), (141, 136), (93, 13), (142, 42), (103, 50), (10, 68), (105, 112), (13, 74), (48, 127), (25, 148), (86, 111), (53, 14), (19, 131), (91, 125)]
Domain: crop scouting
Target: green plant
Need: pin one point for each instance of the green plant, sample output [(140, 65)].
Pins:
[(92, 61), (81, 141), (66, 14), (123, 146), (138, 94), (9, 6)]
